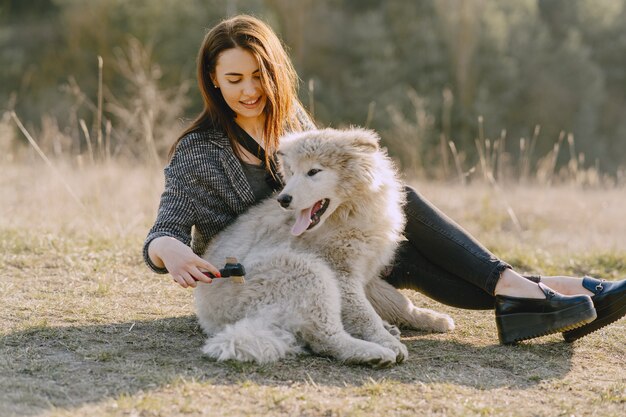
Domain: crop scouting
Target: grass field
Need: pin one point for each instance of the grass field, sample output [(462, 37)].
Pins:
[(87, 330)]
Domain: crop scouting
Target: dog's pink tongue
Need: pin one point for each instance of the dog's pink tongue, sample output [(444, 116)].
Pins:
[(302, 222)]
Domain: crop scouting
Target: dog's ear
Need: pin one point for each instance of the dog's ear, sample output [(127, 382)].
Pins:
[(365, 140)]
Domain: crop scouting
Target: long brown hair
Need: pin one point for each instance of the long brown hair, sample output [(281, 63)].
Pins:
[(278, 79)]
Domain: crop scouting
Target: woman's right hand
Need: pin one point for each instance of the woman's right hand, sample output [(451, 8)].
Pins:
[(183, 265)]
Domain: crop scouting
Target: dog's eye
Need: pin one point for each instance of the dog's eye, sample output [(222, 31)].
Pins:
[(313, 172)]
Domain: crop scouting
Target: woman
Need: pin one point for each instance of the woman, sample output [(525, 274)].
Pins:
[(221, 165)]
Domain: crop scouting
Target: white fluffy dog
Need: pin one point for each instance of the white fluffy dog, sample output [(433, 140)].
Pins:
[(313, 266)]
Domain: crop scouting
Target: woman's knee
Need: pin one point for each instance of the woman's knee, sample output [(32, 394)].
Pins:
[(411, 194), (416, 205)]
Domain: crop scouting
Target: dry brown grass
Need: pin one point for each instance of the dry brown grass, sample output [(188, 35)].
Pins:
[(86, 329)]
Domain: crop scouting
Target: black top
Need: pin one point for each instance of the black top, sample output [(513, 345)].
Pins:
[(256, 176)]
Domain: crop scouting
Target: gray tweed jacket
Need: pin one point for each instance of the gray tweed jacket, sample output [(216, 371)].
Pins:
[(205, 190)]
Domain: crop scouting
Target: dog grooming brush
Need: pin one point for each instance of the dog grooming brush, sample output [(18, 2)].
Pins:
[(233, 270)]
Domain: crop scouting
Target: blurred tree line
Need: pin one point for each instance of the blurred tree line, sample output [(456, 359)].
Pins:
[(421, 72)]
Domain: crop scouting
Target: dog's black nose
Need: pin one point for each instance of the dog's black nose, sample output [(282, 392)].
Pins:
[(284, 200)]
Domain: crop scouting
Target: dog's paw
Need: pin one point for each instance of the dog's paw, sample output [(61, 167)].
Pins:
[(429, 320), (443, 324), (401, 351), (373, 355), (393, 330)]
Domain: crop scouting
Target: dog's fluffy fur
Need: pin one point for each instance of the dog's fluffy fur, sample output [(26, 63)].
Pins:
[(319, 286)]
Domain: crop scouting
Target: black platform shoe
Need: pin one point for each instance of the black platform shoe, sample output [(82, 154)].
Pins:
[(519, 319), (609, 299)]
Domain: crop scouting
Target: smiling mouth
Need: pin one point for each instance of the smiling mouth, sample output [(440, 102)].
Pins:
[(251, 103), (309, 217)]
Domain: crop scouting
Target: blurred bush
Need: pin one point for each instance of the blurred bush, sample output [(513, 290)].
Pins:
[(420, 72)]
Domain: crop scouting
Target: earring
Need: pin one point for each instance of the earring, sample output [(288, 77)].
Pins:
[(215, 86)]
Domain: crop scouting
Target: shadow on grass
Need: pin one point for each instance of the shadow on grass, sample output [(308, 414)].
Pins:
[(49, 367)]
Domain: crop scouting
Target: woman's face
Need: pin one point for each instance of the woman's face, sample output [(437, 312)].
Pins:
[(238, 77)]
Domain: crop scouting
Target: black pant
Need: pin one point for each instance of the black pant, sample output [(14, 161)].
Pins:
[(443, 261)]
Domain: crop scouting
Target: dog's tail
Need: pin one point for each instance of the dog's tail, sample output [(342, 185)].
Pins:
[(261, 338)]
